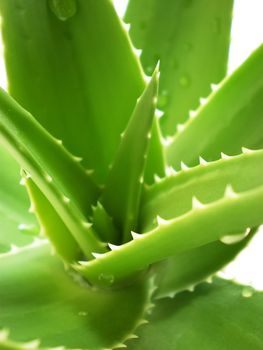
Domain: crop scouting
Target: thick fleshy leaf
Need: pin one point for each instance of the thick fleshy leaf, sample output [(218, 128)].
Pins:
[(82, 88), (219, 316), (17, 225), (51, 224), (173, 196), (39, 299), (231, 118), (223, 218), (126, 176), (186, 270), (58, 175), (191, 38)]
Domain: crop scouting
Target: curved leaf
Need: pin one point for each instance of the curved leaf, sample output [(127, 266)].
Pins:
[(39, 299), (219, 316), (17, 225), (191, 38), (230, 119), (72, 65)]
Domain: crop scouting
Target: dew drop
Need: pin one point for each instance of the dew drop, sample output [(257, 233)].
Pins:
[(247, 292), (184, 81), (106, 279), (233, 239), (163, 99), (82, 313), (216, 25), (63, 9)]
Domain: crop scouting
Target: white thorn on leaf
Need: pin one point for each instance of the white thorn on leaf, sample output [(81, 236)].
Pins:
[(31, 345), (137, 52), (192, 114), (126, 26), (161, 221), (159, 113), (180, 127), (166, 141), (14, 249), (214, 87), (246, 150), (48, 178), (202, 101), (229, 192), (156, 178), (136, 235), (32, 208), (196, 204), (120, 346), (169, 171), (142, 322), (149, 135), (58, 141), (202, 161), (184, 166), (77, 159), (86, 224), (132, 336), (113, 246), (89, 171), (224, 156), (22, 182), (97, 255), (66, 199)]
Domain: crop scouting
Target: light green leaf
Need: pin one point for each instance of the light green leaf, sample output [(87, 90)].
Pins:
[(39, 299), (51, 224), (17, 225), (219, 316), (121, 196), (227, 213), (82, 87), (191, 38), (230, 119), (58, 175)]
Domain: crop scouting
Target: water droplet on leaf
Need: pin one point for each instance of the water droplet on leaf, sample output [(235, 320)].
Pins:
[(233, 239), (184, 81), (163, 99), (106, 279), (247, 292), (63, 9)]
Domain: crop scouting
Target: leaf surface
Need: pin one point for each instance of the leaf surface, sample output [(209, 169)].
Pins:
[(122, 193), (82, 88), (222, 315), (39, 299), (231, 118), (191, 38)]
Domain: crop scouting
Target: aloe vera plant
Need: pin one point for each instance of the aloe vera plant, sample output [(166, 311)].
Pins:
[(138, 193)]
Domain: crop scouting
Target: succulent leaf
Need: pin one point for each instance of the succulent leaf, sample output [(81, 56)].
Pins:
[(230, 119), (228, 214), (61, 311), (121, 196), (191, 38), (74, 64), (51, 224), (18, 226), (49, 164), (221, 315)]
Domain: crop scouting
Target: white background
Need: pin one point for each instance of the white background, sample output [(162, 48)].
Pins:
[(247, 34)]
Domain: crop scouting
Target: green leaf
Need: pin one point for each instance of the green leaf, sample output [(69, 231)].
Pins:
[(188, 269), (191, 38), (127, 173), (58, 175), (39, 299), (51, 224), (230, 119), (223, 217), (82, 88), (17, 225), (219, 316)]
